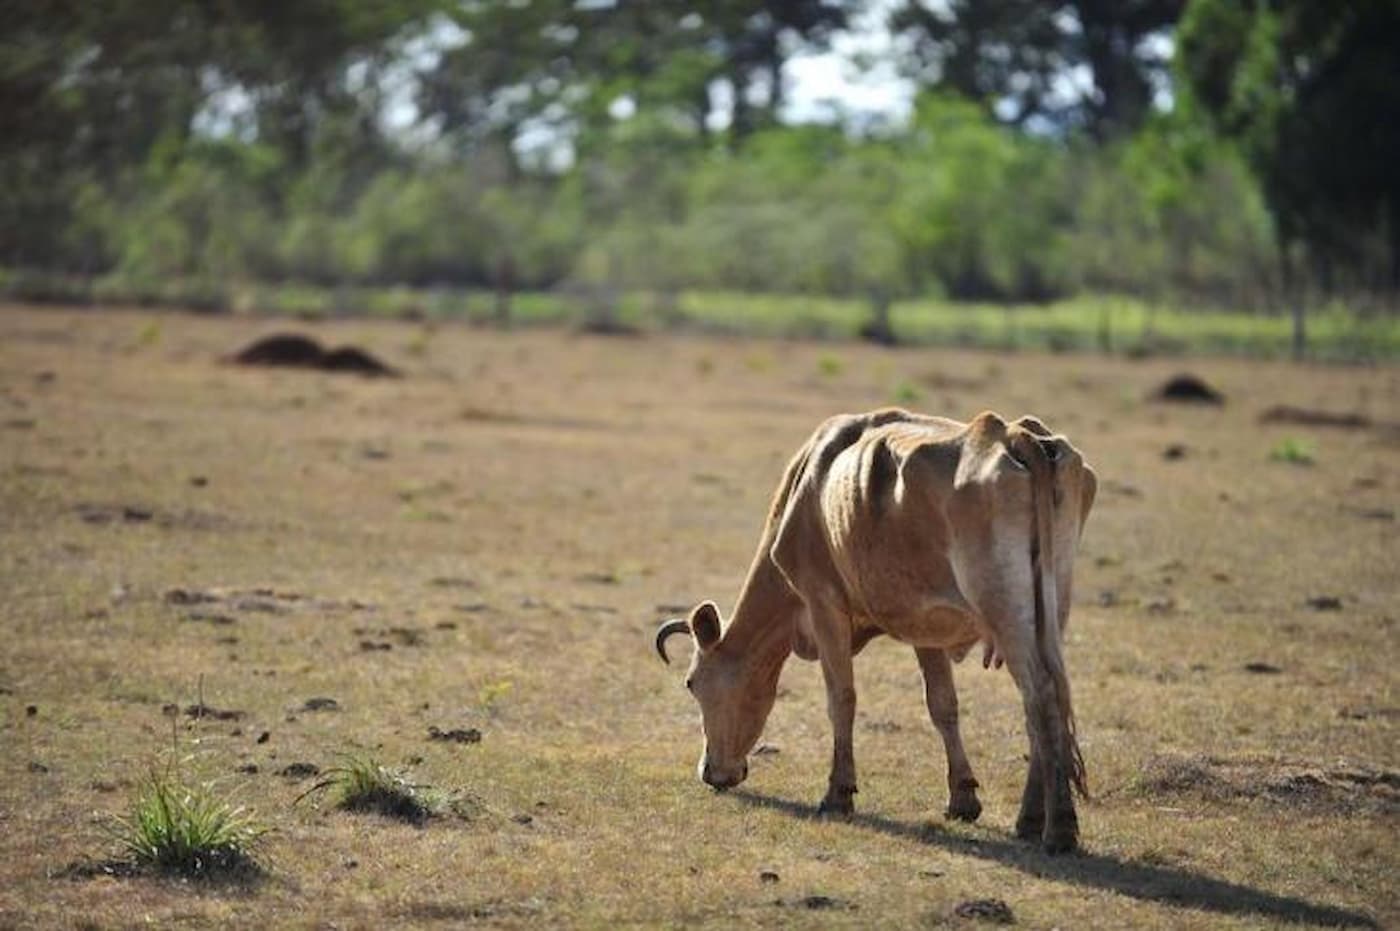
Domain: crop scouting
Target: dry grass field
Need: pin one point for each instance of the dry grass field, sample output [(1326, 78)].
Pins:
[(489, 543)]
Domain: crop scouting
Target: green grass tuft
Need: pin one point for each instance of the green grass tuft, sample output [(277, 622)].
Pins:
[(148, 335), (188, 830), (362, 784), (1291, 449), (905, 393)]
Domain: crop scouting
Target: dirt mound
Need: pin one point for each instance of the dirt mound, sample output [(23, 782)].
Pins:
[(351, 359), (1330, 790), (1189, 389), (1304, 417), (282, 349), (292, 350)]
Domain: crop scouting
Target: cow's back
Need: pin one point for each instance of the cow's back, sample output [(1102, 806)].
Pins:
[(907, 516), (864, 524)]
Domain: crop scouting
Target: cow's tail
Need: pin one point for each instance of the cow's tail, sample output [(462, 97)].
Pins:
[(1047, 612)]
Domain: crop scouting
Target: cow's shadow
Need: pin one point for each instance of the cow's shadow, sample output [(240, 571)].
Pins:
[(1147, 882)]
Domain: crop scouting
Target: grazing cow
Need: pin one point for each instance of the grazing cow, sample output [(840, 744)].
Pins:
[(939, 534)]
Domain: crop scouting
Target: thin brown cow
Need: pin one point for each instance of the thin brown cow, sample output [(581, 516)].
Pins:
[(938, 533)]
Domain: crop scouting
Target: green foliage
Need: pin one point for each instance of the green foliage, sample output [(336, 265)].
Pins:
[(187, 830), (977, 206), (1292, 450), (1173, 211), (580, 148), (1308, 90), (1012, 55), (199, 211)]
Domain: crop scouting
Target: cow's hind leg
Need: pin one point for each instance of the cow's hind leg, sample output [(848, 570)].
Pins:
[(1047, 808), (942, 700), (1030, 823)]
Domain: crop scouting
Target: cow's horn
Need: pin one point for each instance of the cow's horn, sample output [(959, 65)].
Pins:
[(677, 626)]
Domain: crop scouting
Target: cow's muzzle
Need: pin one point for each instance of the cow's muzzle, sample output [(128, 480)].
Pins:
[(720, 778)]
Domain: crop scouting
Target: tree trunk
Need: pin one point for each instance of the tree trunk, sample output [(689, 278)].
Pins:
[(1293, 294), (741, 120), (505, 289), (877, 328), (1300, 336), (775, 89)]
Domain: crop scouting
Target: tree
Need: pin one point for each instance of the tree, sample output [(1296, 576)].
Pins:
[(563, 65), (88, 92), (1019, 56), (1309, 91)]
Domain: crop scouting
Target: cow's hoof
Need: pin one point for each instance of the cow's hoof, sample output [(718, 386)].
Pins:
[(836, 806), (964, 808)]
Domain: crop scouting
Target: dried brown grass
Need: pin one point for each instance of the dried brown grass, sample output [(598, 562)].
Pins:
[(633, 475)]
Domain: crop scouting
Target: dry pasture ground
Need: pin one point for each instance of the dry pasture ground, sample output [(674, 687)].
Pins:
[(490, 541)]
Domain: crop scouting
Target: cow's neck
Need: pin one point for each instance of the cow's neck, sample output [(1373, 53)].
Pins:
[(761, 628)]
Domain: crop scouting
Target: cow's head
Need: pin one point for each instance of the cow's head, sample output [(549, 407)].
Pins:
[(733, 703)]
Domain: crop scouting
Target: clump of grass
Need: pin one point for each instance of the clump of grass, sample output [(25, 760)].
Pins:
[(1292, 449), (418, 344), (148, 335), (188, 830), (758, 362), (491, 693), (830, 365), (906, 393), (362, 784)]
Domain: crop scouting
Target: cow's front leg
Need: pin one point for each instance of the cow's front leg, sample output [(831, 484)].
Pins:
[(839, 673), (942, 699)]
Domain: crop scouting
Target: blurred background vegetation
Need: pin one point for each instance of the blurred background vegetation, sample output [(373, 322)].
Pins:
[(1218, 173)]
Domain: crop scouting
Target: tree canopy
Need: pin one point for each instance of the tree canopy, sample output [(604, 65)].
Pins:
[(1312, 92), (1222, 150)]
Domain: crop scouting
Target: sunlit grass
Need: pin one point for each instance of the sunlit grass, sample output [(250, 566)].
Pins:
[(1100, 323), (580, 794)]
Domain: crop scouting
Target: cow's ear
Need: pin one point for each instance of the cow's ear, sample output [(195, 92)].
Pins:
[(704, 624)]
